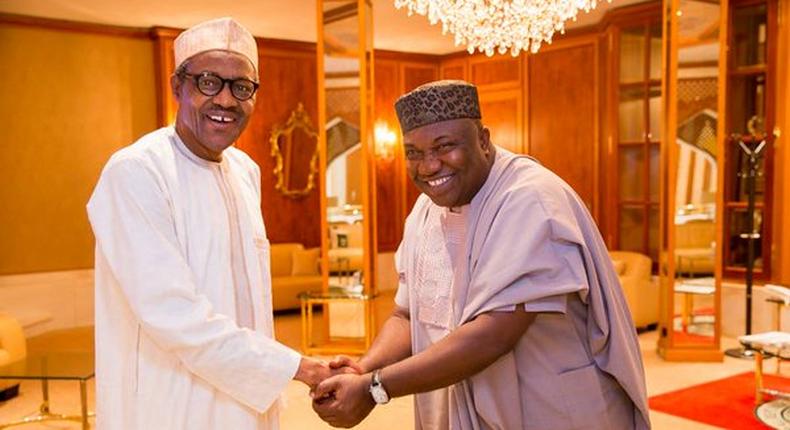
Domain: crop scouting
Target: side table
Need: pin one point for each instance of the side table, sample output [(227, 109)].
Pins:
[(772, 343), (354, 346), (52, 366)]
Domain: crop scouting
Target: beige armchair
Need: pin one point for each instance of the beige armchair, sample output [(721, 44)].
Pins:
[(641, 293), (13, 350)]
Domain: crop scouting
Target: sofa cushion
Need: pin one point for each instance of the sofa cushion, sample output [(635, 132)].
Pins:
[(281, 255), (305, 262)]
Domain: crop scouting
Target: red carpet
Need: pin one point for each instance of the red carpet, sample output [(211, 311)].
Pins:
[(683, 337), (727, 403)]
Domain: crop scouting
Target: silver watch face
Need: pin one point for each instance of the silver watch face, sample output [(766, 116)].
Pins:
[(379, 395)]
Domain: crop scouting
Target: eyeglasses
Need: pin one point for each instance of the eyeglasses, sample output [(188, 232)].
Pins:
[(210, 84)]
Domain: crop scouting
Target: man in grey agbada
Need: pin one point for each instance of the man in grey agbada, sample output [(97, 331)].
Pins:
[(509, 314)]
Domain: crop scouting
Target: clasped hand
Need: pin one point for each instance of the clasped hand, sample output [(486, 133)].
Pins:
[(343, 400)]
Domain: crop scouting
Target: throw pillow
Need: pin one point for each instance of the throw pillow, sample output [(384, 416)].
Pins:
[(306, 261)]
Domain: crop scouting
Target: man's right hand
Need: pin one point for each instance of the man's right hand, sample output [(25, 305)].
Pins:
[(346, 364), (312, 372)]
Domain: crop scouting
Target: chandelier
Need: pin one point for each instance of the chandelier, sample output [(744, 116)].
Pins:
[(499, 25)]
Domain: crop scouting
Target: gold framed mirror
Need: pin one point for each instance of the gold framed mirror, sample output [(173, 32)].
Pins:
[(295, 151)]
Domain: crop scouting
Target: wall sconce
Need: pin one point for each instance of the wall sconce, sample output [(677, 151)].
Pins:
[(385, 140)]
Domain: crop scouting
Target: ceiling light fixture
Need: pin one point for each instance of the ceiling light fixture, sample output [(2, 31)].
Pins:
[(499, 25)]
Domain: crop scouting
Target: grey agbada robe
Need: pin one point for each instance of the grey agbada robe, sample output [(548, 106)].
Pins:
[(530, 238)]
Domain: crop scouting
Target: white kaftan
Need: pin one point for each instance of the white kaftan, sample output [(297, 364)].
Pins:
[(184, 329)]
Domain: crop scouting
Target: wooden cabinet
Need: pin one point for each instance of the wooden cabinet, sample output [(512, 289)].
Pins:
[(751, 81), (634, 129)]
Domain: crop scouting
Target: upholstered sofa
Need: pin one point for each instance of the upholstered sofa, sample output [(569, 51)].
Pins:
[(641, 293), (294, 270), (13, 350)]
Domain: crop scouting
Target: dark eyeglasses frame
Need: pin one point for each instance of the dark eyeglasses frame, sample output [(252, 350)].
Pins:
[(225, 81)]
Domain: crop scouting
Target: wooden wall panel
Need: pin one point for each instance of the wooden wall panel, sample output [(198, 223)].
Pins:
[(502, 113), (415, 74), (389, 186), (455, 68), (563, 113), (495, 72), (164, 61)]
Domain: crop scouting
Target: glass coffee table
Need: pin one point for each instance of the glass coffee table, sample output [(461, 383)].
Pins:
[(336, 294), (53, 366)]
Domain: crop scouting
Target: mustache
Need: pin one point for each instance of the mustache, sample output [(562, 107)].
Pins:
[(223, 109)]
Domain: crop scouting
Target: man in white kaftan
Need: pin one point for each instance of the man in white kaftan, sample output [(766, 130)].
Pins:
[(512, 310), (184, 330)]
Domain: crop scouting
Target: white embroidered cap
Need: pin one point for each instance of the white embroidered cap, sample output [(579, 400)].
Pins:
[(217, 34)]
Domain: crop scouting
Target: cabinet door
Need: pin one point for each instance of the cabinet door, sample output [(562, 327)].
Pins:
[(636, 134), (750, 118)]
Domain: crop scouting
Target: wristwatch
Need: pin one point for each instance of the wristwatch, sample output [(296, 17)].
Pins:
[(377, 390)]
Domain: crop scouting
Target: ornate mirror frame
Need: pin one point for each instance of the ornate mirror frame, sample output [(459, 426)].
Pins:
[(298, 119)]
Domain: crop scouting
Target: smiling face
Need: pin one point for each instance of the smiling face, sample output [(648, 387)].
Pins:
[(449, 161), (209, 124)]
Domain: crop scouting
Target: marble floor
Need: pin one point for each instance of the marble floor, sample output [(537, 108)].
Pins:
[(661, 377)]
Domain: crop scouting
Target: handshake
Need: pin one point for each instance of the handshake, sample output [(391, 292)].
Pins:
[(339, 389)]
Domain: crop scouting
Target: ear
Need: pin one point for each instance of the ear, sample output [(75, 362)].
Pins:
[(175, 86), (485, 140)]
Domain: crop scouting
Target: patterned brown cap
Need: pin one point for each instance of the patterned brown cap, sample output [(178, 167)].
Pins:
[(436, 102)]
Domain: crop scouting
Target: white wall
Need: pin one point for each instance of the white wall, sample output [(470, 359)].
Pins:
[(764, 314)]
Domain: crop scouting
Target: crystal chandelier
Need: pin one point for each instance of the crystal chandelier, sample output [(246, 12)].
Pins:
[(499, 25)]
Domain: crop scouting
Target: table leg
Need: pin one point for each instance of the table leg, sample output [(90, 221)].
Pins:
[(309, 326), (758, 377), (44, 408), (304, 326), (687, 309), (368, 325), (84, 403)]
